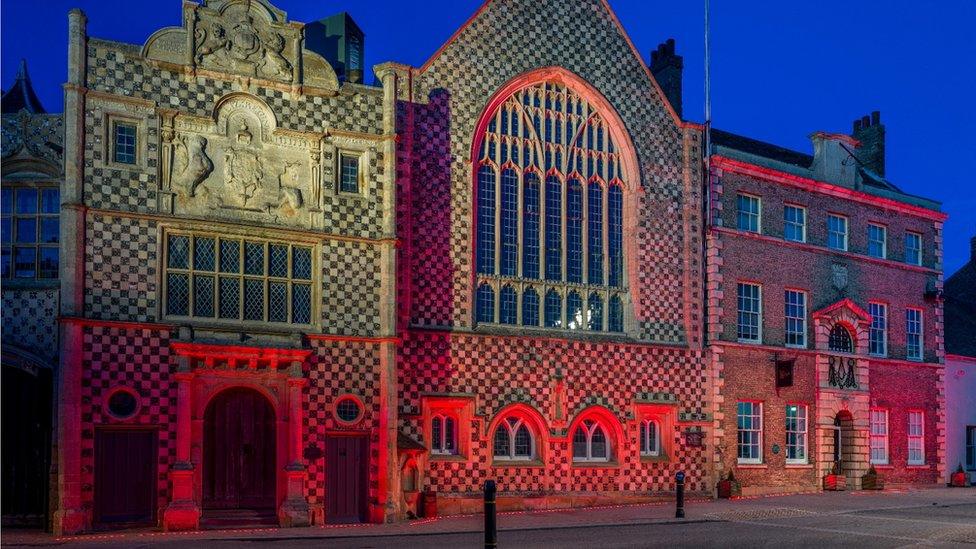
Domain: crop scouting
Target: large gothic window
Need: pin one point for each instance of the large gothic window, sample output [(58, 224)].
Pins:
[(549, 214)]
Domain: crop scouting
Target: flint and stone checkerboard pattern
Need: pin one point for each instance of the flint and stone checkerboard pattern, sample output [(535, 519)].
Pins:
[(30, 320), (121, 265), (350, 288), (505, 40)]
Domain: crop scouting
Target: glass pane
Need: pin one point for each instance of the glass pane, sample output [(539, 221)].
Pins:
[(6, 201), (349, 176), (27, 229), (523, 442), (6, 230), (435, 434), (50, 230), (598, 444), (26, 201), (50, 201), (502, 444), (278, 260), (509, 223), (579, 443), (277, 302), (179, 252), (177, 294), (301, 263), (301, 304), (204, 254), (449, 434), (486, 220), (254, 258), (230, 256), (230, 298), (253, 300), (125, 143), (49, 262), (24, 259), (5, 256), (203, 296), (508, 306), (574, 231)]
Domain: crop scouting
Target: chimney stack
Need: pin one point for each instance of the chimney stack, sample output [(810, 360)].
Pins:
[(871, 133), (666, 68)]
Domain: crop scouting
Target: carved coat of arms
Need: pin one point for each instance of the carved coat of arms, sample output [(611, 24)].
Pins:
[(839, 276)]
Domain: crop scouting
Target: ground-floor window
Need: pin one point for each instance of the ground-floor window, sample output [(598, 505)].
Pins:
[(916, 438), (749, 429), (650, 439), (590, 442), (879, 436), (796, 433), (443, 435), (513, 440)]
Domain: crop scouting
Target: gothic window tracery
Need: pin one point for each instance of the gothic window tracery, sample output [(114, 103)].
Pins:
[(549, 213)]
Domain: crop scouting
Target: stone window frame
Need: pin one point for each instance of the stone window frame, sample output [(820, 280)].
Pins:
[(760, 439), (512, 429), (646, 449), (884, 240), (912, 439), (802, 435), (38, 187), (112, 118), (756, 216), (352, 146), (106, 399), (590, 428), (874, 328), (909, 333), (253, 235), (516, 116), (802, 319), (878, 432), (664, 415), (458, 408), (787, 222)]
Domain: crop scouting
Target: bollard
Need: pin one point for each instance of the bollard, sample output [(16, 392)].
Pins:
[(491, 526), (680, 494)]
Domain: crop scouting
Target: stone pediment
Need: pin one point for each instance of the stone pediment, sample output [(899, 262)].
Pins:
[(249, 38), (238, 165), (844, 310)]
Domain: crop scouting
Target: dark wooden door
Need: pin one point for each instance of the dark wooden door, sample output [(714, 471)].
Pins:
[(346, 460), (26, 445), (125, 475), (239, 452)]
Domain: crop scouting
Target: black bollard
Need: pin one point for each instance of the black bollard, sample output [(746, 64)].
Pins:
[(680, 494), (491, 525)]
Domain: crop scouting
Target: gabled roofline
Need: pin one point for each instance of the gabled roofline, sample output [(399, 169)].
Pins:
[(647, 70)]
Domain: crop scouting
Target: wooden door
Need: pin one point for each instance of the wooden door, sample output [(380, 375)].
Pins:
[(346, 460), (239, 452), (26, 446), (125, 475)]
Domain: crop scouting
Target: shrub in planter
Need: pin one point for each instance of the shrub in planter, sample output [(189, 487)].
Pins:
[(872, 480), (959, 478), (729, 488), (835, 481)]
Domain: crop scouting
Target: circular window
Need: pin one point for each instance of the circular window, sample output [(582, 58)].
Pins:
[(122, 404), (348, 409)]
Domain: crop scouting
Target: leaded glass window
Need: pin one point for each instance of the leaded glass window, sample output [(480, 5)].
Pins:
[(238, 279), (30, 232), (564, 227), (513, 440), (124, 136), (509, 306)]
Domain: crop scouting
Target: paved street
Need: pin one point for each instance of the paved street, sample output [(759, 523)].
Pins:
[(933, 517)]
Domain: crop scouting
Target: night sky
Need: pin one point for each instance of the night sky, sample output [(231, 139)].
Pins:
[(780, 70)]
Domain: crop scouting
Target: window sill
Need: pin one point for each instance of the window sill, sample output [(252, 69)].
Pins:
[(881, 466), (230, 326), (749, 341), (798, 466), (595, 465), (447, 457), (514, 463), (788, 346), (663, 458), (31, 283), (918, 466), (751, 466)]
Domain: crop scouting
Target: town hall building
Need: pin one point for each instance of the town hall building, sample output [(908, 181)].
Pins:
[(289, 297)]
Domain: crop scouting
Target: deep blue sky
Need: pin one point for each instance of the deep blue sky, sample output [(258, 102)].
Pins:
[(780, 70)]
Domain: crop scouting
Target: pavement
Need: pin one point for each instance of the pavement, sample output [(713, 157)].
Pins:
[(891, 518)]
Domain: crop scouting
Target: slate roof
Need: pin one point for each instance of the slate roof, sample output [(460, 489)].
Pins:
[(21, 95), (960, 309), (761, 148)]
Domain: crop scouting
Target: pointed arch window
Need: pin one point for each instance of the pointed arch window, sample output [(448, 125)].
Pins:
[(590, 442), (650, 438), (509, 306), (550, 206), (513, 440), (443, 429)]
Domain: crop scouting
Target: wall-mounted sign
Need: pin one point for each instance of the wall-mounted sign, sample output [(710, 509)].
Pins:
[(784, 373)]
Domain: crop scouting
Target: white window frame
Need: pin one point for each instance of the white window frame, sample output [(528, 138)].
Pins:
[(647, 449), (802, 225), (909, 333), (358, 158), (740, 311), (802, 319), (439, 447), (878, 326), (918, 249), (884, 240), (916, 437), (844, 234), (755, 216), (588, 431), (757, 416), (801, 422), (879, 436), (511, 430)]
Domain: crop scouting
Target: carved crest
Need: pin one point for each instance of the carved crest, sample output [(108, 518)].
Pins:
[(839, 276)]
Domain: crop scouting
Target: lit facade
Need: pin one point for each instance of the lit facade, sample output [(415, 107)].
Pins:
[(291, 298)]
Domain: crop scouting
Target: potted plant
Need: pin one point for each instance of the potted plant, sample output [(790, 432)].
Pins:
[(959, 478), (872, 480), (729, 487), (835, 480)]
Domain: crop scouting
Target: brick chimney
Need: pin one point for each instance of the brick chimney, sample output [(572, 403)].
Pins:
[(871, 133), (666, 68)]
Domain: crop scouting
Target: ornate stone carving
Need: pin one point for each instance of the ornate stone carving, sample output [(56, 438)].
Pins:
[(192, 164)]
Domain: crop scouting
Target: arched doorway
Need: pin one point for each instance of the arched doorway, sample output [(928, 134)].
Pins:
[(26, 445), (843, 443), (239, 451)]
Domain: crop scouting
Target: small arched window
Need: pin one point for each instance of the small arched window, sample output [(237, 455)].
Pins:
[(554, 309), (485, 304), (594, 313), (509, 306), (443, 434), (514, 440), (590, 442), (650, 438), (840, 339), (530, 307)]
